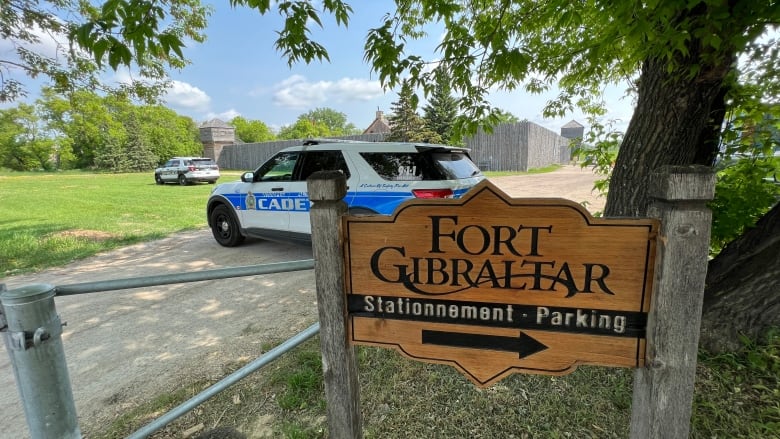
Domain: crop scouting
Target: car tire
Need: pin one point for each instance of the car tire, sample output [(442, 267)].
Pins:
[(158, 179), (183, 180), (212, 181), (224, 227)]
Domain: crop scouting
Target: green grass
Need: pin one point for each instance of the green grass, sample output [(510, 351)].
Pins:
[(550, 168), (736, 396), (50, 219)]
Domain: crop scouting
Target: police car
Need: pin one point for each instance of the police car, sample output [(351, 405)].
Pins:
[(186, 170), (272, 202)]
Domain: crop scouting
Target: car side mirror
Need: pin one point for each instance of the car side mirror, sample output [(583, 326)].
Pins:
[(248, 177)]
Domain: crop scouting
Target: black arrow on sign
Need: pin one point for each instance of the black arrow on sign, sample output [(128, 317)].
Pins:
[(524, 345)]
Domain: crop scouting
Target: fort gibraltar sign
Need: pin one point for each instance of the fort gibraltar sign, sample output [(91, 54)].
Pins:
[(494, 285)]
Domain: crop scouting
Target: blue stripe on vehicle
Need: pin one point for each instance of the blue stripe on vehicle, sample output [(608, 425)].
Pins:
[(381, 202), (274, 201)]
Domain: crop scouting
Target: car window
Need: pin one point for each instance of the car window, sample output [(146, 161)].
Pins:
[(279, 168), (170, 163), (426, 165), (397, 166), (314, 161), (203, 162), (454, 165)]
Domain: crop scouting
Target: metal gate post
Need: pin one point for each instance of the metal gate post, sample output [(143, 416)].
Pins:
[(33, 339)]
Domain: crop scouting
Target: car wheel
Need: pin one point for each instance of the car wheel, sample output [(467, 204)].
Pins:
[(212, 181), (224, 227), (158, 179), (183, 180)]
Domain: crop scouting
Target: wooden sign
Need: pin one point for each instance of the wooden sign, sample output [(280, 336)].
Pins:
[(493, 285)]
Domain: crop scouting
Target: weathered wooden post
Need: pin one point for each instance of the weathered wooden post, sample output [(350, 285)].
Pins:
[(342, 392), (663, 390)]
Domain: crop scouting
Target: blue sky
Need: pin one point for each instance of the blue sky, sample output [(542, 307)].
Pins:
[(237, 71)]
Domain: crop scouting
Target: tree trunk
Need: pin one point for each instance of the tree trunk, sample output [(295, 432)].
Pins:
[(671, 125), (743, 287), (677, 122)]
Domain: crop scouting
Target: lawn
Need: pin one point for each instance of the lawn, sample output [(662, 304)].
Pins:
[(50, 219)]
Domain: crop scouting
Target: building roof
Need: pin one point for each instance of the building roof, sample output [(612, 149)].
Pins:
[(379, 125), (215, 123), (573, 124)]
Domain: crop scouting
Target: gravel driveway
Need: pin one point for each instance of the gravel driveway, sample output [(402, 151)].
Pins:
[(125, 347)]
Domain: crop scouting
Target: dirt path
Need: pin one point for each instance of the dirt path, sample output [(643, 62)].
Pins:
[(127, 346), (570, 182)]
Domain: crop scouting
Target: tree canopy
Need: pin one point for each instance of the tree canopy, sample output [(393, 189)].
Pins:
[(251, 131), (336, 121), (320, 122), (86, 130), (71, 43)]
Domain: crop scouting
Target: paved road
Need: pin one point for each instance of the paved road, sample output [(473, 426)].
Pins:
[(124, 347)]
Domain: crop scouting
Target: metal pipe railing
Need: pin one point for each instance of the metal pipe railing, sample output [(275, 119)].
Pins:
[(226, 382), (177, 278)]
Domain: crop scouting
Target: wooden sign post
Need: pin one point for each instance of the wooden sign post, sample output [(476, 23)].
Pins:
[(494, 285), (663, 391)]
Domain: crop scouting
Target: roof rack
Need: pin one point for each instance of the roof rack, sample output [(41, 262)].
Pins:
[(317, 141)]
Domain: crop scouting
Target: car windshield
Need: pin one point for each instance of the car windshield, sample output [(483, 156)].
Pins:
[(278, 168)]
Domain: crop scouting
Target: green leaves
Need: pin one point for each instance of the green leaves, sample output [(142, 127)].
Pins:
[(743, 193), (128, 32), (294, 40), (145, 36)]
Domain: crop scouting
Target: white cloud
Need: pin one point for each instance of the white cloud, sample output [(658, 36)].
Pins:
[(186, 96), (297, 92), (223, 116), (49, 43)]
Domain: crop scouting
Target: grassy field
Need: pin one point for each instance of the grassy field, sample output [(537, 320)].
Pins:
[(52, 219)]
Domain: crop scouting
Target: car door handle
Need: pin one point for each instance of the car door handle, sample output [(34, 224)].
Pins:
[(277, 189)]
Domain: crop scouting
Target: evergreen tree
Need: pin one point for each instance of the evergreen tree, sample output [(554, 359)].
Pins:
[(111, 156), (139, 155), (405, 124), (442, 109)]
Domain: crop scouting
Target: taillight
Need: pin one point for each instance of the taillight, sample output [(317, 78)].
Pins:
[(432, 193), (191, 168)]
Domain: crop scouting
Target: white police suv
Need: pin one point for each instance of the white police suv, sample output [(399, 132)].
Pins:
[(186, 170), (272, 202)]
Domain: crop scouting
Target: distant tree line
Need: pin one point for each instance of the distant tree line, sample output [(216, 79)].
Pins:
[(87, 131), (84, 130), (109, 132)]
